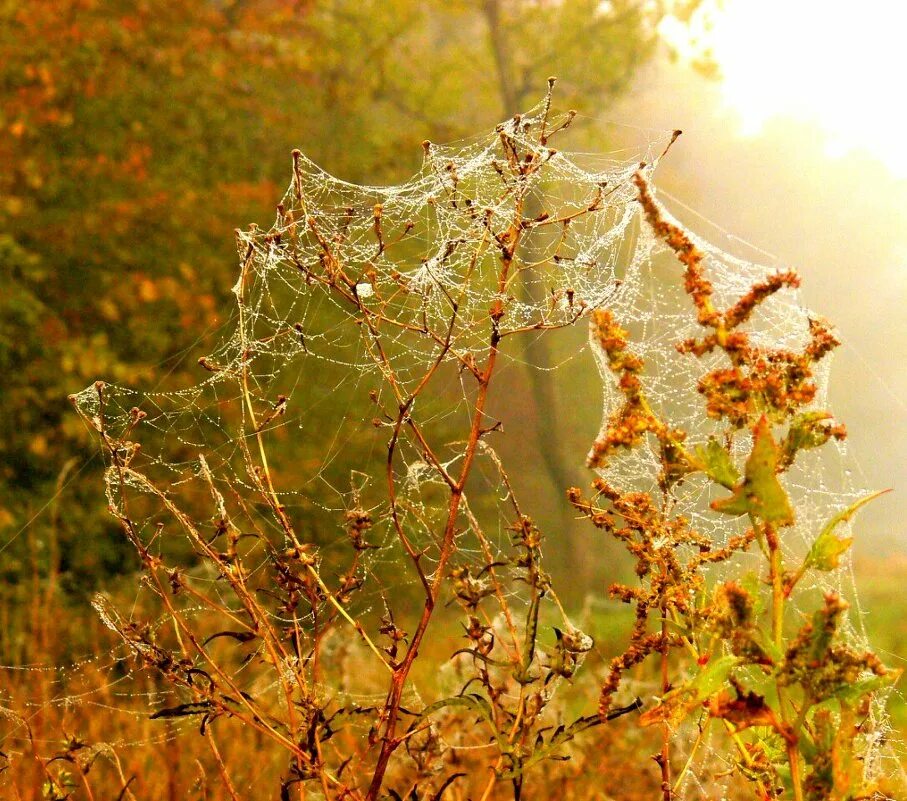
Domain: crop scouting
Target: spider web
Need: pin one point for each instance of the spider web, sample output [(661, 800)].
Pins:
[(303, 371)]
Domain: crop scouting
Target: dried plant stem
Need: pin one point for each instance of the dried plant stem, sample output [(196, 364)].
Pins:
[(391, 713), (664, 761), (272, 493), (88, 791), (400, 674), (221, 767), (175, 615), (498, 589), (349, 619), (493, 779), (693, 749)]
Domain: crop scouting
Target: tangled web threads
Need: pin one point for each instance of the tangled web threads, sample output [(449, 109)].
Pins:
[(347, 308)]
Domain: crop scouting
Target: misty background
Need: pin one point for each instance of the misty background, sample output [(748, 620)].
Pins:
[(139, 138)]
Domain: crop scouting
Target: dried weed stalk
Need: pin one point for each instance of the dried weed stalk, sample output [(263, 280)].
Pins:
[(261, 628), (247, 629)]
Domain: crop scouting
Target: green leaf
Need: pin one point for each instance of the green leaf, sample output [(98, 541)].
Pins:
[(851, 693), (715, 675), (678, 703), (807, 430), (760, 493), (718, 464), (772, 651), (825, 553), (753, 583)]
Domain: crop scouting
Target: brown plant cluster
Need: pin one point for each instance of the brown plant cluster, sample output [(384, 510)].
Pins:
[(774, 381), (669, 560), (628, 425), (803, 700), (252, 634)]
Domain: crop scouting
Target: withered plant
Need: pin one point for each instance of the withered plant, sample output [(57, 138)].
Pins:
[(318, 623), (255, 630)]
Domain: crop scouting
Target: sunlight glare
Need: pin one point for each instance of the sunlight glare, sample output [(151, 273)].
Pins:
[(841, 65)]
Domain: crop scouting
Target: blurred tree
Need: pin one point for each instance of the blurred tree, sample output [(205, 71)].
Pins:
[(449, 69), (135, 135), (615, 38)]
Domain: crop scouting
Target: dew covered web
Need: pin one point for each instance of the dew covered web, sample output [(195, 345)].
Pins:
[(363, 317)]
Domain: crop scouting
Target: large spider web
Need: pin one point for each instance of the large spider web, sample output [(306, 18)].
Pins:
[(301, 370)]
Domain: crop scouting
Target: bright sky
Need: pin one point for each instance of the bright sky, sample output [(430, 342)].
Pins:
[(840, 63)]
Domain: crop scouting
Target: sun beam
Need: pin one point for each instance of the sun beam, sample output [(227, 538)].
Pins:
[(841, 65)]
